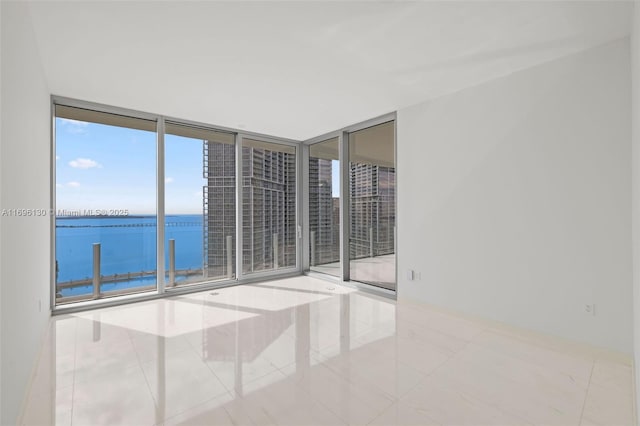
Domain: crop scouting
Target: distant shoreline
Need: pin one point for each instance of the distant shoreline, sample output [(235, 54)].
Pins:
[(124, 217)]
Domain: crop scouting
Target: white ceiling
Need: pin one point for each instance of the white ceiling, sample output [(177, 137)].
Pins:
[(300, 69)]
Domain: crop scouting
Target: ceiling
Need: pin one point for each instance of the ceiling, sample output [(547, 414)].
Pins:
[(301, 69)]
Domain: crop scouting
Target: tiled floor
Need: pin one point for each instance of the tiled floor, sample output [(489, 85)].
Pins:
[(303, 351)]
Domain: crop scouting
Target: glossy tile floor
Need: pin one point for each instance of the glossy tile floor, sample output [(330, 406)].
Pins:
[(303, 351)]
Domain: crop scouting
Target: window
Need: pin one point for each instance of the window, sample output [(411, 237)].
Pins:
[(372, 207), (324, 207), (110, 231), (200, 204), (268, 206), (105, 222)]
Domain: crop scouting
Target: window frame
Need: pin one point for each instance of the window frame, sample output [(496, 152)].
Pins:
[(161, 290), (343, 143)]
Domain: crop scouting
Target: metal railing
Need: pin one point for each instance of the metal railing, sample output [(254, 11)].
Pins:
[(97, 279)]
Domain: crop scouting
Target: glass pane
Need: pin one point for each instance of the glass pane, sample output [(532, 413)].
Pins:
[(372, 184), (324, 207), (200, 205), (268, 206), (106, 204)]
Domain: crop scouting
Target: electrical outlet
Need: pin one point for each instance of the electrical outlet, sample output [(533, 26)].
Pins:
[(590, 309)]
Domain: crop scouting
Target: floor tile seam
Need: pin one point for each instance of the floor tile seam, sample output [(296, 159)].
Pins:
[(431, 328), (336, 370), (391, 397), (459, 387), (436, 349), (490, 347), (627, 396), (75, 359), (273, 364), (391, 400), (569, 353), (460, 390), (31, 391), (194, 348), (510, 413), (423, 379), (262, 410), (395, 404), (243, 383), (231, 418), (449, 359), (510, 381), (610, 383), (573, 348), (532, 364), (167, 417), (130, 367), (177, 352), (144, 375), (322, 404), (263, 375), (163, 421)]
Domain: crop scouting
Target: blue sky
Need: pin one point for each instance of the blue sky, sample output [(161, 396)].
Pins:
[(335, 178), (107, 167)]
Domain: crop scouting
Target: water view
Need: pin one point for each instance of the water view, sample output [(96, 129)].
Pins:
[(122, 241)]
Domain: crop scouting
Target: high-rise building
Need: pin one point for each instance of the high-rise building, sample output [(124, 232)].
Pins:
[(269, 209), (269, 203), (372, 213), (324, 218), (219, 208)]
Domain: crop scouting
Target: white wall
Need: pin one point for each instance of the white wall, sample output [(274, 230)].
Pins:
[(514, 198), (24, 178), (635, 73), (1, 411)]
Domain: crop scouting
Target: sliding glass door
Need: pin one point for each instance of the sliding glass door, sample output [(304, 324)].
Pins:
[(372, 207), (352, 197), (324, 207)]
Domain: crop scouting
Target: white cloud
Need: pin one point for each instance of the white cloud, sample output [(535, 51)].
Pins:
[(74, 126), (73, 184), (57, 157), (74, 122), (84, 163), (168, 180), (58, 185)]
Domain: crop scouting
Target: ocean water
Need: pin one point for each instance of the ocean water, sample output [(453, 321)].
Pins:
[(127, 245)]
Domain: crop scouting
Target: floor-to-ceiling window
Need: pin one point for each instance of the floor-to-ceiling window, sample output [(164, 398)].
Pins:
[(200, 204), (372, 207), (269, 182), (137, 193), (105, 218), (324, 207), (351, 181)]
